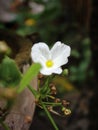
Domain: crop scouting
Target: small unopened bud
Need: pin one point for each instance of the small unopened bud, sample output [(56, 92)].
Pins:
[(53, 89), (52, 85), (64, 103), (66, 111), (65, 72), (50, 108), (57, 100)]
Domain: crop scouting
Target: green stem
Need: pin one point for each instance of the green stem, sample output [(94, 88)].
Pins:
[(49, 116), (50, 96), (4, 125), (34, 92), (53, 104)]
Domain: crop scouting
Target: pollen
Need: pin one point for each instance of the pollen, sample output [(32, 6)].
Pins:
[(49, 63)]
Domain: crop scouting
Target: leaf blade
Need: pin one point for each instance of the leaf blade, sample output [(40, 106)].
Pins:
[(29, 75)]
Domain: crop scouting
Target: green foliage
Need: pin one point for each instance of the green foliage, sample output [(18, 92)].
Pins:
[(10, 75), (78, 72), (48, 26), (45, 90), (30, 74)]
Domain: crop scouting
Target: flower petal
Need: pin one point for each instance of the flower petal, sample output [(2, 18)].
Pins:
[(57, 71), (40, 53), (46, 71), (59, 53), (57, 49)]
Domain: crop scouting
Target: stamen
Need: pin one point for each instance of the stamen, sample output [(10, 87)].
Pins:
[(49, 63)]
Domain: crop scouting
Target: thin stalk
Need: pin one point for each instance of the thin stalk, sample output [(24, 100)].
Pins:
[(49, 116), (34, 92), (50, 96), (53, 104)]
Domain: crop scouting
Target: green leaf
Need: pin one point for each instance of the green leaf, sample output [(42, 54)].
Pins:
[(29, 75), (10, 75)]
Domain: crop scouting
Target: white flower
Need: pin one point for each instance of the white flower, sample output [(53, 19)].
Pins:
[(50, 59)]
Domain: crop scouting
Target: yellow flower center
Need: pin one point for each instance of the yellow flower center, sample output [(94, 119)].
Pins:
[(49, 63)]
